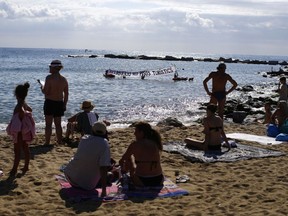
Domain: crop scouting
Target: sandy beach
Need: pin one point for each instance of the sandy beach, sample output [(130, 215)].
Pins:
[(245, 187)]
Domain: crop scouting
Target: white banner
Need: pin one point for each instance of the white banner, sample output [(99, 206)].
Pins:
[(171, 69)]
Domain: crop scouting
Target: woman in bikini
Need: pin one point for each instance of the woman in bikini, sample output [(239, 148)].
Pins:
[(142, 157), (213, 130)]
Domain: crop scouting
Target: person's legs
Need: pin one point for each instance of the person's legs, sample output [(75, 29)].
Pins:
[(26, 150), (69, 130), (191, 143), (17, 154), (58, 128), (221, 106), (48, 128)]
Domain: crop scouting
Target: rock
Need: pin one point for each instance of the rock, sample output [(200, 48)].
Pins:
[(170, 122), (247, 88), (239, 116)]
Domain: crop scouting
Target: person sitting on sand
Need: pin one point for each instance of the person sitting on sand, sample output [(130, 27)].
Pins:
[(213, 130), (145, 167), (89, 167), (279, 117), (82, 122)]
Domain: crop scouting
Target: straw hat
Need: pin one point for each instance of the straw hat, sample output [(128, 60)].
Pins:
[(87, 105), (99, 128)]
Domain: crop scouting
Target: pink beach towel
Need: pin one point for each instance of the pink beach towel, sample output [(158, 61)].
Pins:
[(169, 189)]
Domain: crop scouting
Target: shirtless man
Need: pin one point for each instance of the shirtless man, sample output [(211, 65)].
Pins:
[(282, 89), (56, 93), (219, 81)]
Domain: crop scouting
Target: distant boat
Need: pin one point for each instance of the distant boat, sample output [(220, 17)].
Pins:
[(182, 78), (112, 73), (108, 75), (179, 78)]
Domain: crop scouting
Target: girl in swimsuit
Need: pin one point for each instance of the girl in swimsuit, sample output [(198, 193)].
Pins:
[(142, 158), (213, 130)]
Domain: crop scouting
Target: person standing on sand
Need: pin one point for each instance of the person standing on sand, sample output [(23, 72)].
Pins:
[(268, 113), (282, 89), (21, 128), (56, 94), (219, 80)]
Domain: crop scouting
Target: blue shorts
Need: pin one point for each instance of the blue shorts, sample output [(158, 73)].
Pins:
[(54, 108)]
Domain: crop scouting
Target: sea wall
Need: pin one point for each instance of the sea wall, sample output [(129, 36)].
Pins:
[(172, 58)]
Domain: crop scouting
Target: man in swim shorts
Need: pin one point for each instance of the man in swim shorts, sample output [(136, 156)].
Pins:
[(56, 93), (219, 80)]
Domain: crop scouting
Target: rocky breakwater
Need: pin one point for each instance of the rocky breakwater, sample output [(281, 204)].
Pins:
[(173, 58), (249, 105)]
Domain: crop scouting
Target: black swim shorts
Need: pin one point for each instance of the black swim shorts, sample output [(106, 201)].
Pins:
[(219, 95), (54, 108)]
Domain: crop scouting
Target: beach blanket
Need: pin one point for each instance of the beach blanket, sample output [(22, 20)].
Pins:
[(241, 152), (169, 189), (73, 194), (263, 140)]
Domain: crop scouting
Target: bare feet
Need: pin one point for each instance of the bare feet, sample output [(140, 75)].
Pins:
[(13, 172), (24, 170)]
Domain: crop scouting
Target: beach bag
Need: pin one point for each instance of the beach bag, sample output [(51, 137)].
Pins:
[(272, 130), (282, 137)]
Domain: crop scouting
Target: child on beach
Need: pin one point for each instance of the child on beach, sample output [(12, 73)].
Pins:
[(21, 128), (268, 113)]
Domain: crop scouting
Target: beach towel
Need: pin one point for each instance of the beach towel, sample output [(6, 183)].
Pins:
[(263, 140), (73, 194), (169, 189), (242, 152)]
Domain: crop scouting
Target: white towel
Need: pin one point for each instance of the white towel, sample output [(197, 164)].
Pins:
[(92, 118)]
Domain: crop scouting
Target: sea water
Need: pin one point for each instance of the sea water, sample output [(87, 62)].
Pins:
[(122, 101)]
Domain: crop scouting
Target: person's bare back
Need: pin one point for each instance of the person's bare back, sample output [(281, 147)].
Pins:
[(55, 86)]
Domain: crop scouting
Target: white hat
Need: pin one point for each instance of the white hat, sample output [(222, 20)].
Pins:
[(99, 128), (56, 63)]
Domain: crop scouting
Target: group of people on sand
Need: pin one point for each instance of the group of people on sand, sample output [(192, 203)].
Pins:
[(142, 157), (277, 121)]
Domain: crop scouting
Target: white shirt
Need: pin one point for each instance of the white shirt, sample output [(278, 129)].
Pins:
[(84, 169)]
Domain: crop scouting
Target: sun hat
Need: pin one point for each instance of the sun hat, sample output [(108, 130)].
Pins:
[(99, 128), (87, 105), (56, 63)]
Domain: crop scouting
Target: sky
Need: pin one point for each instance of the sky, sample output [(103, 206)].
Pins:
[(255, 27)]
